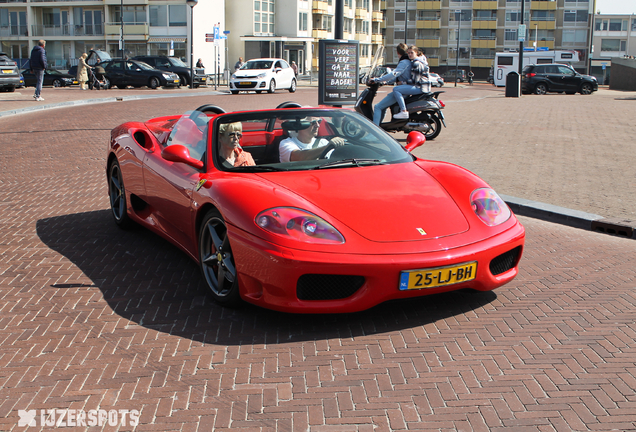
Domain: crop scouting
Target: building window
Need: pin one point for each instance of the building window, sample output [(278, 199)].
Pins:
[(302, 21), (611, 44), (464, 15), (158, 16), (264, 20), (615, 24), (576, 16), (510, 34), (423, 15), (178, 15), (132, 14)]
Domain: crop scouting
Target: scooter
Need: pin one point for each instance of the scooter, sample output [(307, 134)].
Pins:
[(425, 112)]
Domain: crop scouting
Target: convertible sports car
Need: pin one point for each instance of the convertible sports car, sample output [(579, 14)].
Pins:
[(349, 222)]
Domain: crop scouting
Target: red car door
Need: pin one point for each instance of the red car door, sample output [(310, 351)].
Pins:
[(169, 185)]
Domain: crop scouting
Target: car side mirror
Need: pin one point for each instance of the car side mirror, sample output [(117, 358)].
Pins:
[(277, 70), (414, 139), (179, 153)]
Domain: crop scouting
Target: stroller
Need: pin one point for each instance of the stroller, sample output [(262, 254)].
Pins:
[(97, 81)]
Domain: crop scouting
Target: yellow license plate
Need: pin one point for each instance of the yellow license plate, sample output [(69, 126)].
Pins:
[(437, 277), (7, 71)]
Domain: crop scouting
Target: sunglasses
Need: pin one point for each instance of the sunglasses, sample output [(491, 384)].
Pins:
[(236, 135), (316, 122)]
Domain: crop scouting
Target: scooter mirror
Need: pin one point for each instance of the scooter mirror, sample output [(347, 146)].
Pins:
[(414, 139)]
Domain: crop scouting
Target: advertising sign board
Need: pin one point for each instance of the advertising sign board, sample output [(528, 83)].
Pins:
[(338, 78)]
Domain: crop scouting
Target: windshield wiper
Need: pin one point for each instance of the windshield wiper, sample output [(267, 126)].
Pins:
[(350, 162)]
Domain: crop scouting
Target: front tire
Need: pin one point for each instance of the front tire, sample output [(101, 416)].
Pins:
[(57, 83), (154, 83), (540, 89), (117, 195), (234, 91), (272, 87), (292, 89), (217, 260), (586, 89)]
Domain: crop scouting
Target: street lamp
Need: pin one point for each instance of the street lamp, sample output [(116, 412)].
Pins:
[(192, 4), (458, 18)]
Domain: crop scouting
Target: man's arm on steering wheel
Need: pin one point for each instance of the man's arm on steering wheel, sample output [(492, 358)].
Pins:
[(314, 153)]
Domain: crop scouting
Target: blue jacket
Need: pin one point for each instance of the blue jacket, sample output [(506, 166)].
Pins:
[(38, 58), (401, 73)]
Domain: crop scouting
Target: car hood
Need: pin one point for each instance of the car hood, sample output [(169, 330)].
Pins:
[(387, 203), (250, 72)]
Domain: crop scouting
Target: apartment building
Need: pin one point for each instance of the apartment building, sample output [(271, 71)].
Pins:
[(474, 30), (613, 36), (70, 28), (292, 29)]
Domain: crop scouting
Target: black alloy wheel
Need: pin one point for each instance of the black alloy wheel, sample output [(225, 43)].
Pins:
[(217, 260), (117, 195)]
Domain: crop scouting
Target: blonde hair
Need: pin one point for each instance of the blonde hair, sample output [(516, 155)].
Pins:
[(84, 55), (230, 127)]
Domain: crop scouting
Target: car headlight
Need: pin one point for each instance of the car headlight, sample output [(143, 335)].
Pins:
[(262, 75), (168, 76), (233, 76), (299, 225), (489, 206)]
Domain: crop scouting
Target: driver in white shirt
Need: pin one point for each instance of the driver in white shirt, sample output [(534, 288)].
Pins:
[(306, 146)]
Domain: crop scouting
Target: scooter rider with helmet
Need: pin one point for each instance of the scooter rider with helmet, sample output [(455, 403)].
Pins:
[(402, 73)]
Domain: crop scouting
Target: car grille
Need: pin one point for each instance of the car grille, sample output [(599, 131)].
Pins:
[(505, 261), (327, 287)]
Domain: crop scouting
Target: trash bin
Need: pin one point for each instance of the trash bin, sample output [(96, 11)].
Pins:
[(513, 84)]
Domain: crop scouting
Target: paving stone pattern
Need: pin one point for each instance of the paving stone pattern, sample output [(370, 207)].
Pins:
[(93, 317)]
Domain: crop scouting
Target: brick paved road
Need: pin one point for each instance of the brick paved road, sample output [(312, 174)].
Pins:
[(92, 317)]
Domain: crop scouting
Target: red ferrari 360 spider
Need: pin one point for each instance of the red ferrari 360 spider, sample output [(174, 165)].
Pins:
[(309, 209)]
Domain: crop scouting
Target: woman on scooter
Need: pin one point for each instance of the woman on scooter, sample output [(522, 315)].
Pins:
[(418, 82), (402, 73)]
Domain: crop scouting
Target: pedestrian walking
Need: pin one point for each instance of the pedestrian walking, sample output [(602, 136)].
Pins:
[(294, 66), (37, 63)]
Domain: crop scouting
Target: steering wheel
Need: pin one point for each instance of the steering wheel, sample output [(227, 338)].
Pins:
[(327, 149)]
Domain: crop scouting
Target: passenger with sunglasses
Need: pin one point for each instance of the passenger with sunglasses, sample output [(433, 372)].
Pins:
[(232, 155), (306, 145)]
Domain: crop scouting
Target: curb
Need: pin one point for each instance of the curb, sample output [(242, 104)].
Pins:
[(572, 218)]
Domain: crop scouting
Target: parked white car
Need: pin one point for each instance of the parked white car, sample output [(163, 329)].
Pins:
[(436, 80), (266, 74)]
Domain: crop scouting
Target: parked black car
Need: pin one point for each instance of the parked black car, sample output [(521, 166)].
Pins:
[(544, 78), (175, 65), (124, 73), (51, 78), (9, 74)]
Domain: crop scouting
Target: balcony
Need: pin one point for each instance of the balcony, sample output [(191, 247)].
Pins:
[(15, 31), (362, 14), (362, 37), (376, 39), (484, 5), (429, 5), (428, 24), (485, 23), (427, 43), (68, 30), (134, 31), (432, 61), (320, 7), (542, 23), (481, 62), (319, 34), (377, 16), (546, 42), (543, 5), (484, 42)]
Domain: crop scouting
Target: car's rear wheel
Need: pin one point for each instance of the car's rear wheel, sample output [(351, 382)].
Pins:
[(183, 81), (435, 127), (541, 89), (117, 195), (57, 83), (586, 89), (272, 87), (217, 260), (292, 89)]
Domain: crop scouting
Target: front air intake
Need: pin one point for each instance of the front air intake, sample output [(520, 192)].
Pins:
[(505, 261), (327, 287)]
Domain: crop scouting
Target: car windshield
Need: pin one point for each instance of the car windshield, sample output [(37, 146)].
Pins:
[(143, 65), (258, 64), (264, 141), (177, 62)]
